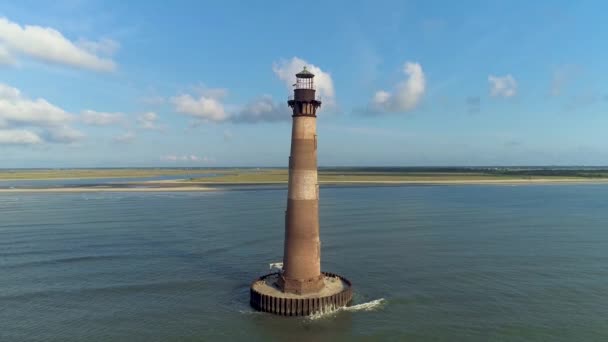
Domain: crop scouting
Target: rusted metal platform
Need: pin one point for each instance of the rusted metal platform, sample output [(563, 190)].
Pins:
[(289, 304)]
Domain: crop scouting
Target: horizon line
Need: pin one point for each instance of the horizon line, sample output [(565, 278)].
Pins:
[(320, 167)]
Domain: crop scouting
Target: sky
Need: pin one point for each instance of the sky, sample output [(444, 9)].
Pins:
[(205, 83)]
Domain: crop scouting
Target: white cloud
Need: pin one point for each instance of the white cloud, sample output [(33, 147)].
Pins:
[(183, 158), (49, 45), (93, 118), (382, 97), (503, 86), (19, 137), (209, 107), (169, 158), (63, 134), (9, 93), (29, 121), (148, 120), (125, 138), (286, 71), (17, 109), (104, 46), (5, 57), (263, 109), (206, 106), (406, 95)]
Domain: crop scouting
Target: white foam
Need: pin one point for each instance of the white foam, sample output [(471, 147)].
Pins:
[(369, 306), (330, 311)]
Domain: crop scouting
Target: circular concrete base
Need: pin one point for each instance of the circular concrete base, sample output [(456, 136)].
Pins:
[(266, 296)]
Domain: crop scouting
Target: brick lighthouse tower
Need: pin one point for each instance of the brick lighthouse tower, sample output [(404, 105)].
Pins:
[(302, 253), (301, 288)]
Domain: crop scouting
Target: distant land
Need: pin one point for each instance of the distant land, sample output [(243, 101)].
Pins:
[(411, 174), (202, 179)]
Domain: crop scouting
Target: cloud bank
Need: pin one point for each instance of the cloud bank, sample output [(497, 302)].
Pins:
[(209, 106), (26, 121)]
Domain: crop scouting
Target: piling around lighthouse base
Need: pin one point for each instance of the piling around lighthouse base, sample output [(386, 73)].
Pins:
[(267, 296)]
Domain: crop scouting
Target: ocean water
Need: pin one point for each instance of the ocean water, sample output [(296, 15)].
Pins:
[(441, 263)]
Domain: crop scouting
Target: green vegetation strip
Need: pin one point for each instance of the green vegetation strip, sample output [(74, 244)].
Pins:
[(281, 176), (326, 175), (103, 173)]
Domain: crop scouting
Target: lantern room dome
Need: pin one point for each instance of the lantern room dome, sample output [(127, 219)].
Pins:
[(305, 74)]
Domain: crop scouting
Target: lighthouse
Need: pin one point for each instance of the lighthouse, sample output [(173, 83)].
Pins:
[(301, 288), (302, 251)]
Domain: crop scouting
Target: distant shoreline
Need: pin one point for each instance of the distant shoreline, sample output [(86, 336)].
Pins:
[(182, 186), (182, 180), (105, 189), (415, 182)]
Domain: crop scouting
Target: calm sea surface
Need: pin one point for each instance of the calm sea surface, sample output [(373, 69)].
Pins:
[(452, 263)]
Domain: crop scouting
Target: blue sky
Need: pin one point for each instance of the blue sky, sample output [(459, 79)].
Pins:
[(404, 83)]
